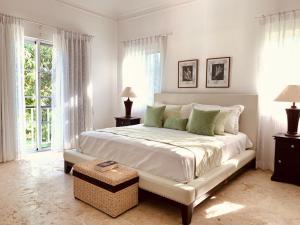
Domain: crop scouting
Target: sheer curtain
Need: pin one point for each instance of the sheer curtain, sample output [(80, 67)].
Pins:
[(279, 66), (71, 98), (142, 69), (11, 87)]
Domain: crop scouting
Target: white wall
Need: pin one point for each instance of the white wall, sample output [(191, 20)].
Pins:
[(289, 4), (204, 29), (104, 47)]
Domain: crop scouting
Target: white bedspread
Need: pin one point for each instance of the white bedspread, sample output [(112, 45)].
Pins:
[(173, 154)]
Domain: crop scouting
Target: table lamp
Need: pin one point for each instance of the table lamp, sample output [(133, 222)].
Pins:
[(128, 93), (291, 94)]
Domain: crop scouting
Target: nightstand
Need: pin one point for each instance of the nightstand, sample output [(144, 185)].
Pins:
[(287, 159), (127, 121)]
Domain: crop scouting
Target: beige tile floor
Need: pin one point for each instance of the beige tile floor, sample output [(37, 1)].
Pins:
[(35, 190)]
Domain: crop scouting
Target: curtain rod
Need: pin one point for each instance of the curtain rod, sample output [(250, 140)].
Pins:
[(39, 23), (277, 13), (157, 35)]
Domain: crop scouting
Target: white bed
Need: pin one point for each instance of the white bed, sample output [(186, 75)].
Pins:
[(157, 151), (188, 195)]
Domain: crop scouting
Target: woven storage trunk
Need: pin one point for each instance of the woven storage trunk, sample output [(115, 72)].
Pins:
[(113, 192)]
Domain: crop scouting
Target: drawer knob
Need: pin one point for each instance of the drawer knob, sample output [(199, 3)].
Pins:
[(292, 146), (279, 161)]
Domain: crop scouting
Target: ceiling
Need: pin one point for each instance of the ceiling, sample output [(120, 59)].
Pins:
[(122, 9)]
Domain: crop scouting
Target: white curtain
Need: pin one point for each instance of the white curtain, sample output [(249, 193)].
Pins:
[(279, 66), (11, 87), (142, 69), (71, 98)]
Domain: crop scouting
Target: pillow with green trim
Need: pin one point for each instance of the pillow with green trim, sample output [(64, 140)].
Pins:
[(175, 123), (154, 116), (203, 122), (170, 111), (221, 121)]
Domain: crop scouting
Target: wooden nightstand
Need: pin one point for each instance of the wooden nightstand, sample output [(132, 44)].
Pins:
[(127, 121), (287, 159)]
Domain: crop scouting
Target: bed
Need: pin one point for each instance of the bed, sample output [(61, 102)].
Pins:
[(169, 168)]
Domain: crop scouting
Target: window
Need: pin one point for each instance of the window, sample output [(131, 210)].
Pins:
[(38, 90), (142, 73)]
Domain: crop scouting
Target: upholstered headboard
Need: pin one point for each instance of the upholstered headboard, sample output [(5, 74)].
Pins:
[(248, 119)]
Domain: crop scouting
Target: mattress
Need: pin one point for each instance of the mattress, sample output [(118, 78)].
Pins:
[(172, 154)]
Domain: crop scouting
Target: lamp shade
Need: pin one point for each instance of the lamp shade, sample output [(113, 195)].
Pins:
[(128, 93), (290, 94)]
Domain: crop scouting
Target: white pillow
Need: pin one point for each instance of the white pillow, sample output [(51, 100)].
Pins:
[(221, 120), (232, 123), (186, 111)]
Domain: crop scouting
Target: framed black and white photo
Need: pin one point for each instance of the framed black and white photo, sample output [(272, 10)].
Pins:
[(188, 74), (218, 72)]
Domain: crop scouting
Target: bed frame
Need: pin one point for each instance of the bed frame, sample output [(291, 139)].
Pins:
[(187, 196)]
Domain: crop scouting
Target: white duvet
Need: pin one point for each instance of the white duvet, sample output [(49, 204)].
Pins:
[(173, 154)]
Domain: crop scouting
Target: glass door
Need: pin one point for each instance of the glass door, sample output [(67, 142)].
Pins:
[(38, 90)]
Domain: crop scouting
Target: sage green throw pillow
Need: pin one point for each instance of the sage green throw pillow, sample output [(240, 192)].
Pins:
[(175, 123), (203, 122), (154, 116)]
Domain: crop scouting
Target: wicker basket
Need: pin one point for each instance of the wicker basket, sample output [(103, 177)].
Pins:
[(113, 192)]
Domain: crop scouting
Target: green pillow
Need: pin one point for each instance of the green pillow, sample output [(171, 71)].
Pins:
[(221, 121), (203, 122), (154, 116), (175, 123)]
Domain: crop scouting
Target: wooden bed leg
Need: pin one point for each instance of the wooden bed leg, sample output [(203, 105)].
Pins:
[(253, 164), (67, 167), (186, 214)]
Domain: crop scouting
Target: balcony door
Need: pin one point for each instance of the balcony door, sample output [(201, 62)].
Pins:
[(38, 90)]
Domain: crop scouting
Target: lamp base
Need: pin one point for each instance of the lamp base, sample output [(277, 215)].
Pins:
[(128, 106), (293, 115), (292, 135)]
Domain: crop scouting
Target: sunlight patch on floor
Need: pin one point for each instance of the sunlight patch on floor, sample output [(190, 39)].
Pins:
[(222, 209)]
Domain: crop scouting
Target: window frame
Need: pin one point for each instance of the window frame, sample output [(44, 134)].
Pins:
[(38, 98)]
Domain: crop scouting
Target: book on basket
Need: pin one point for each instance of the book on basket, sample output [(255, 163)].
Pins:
[(105, 166)]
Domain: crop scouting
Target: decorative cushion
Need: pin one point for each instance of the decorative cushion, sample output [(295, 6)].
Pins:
[(203, 122), (154, 116), (175, 123), (221, 121), (172, 110), (232, 123), (186, 110)]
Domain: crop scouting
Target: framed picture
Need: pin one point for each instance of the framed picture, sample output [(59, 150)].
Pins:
[(218, 72), (188, 74)]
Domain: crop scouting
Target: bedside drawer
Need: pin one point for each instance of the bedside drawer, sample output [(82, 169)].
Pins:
[(288, 150), (288, 145), (124, 121), (121, 123), (287, 172), (135, 122)]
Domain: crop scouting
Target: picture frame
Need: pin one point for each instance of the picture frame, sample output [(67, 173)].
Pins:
[(188, 73), (218, 72)]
